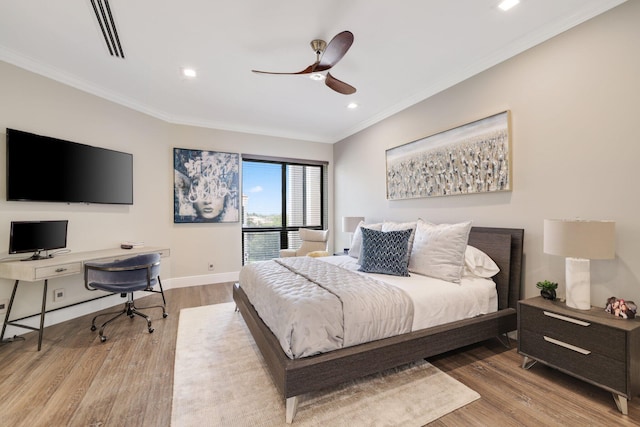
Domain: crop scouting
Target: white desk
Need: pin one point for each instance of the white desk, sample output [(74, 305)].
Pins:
[(59, 266)]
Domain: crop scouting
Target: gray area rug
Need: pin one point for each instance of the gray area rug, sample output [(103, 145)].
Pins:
[(220, 379)]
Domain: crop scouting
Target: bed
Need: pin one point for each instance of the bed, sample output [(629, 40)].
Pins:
[(295, 377)]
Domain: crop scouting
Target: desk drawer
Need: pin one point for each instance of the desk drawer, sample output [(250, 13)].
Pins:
[(58, 270)]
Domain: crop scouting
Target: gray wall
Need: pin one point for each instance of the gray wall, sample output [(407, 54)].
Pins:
[(575, 146)]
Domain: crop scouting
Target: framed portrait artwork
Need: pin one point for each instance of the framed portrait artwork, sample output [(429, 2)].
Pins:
[(205, 186), (473, 158)]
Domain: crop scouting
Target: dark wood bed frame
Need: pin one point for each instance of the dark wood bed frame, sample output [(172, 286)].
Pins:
[(295, 377)]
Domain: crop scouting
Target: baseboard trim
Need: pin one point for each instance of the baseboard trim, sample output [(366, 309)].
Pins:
[(207, 279)]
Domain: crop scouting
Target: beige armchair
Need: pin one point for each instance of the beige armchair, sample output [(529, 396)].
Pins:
[(312, 240)]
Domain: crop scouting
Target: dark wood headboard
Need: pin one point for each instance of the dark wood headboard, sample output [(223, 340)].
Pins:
[(495, 243)]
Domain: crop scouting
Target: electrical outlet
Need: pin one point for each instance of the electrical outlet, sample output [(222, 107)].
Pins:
[(4, 303), (211, 266), (58, 295)]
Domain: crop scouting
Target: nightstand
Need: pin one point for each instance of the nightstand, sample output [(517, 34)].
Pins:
[(591, 345)]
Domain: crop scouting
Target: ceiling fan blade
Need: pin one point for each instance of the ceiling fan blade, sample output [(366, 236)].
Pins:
[(338, 85), (335, 50), (307, 70)]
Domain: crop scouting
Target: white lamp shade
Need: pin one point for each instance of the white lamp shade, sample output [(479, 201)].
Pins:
[(350, 223), (580, 238)]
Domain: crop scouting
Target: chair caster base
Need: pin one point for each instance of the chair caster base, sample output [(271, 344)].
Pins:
[(129, 310)]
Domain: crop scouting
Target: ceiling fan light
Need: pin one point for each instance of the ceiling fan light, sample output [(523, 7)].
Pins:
[(189, 72), (316, 76), (508, 4), (352, 105)]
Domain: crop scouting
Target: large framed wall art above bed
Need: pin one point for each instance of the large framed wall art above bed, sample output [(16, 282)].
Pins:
[(473, 158)]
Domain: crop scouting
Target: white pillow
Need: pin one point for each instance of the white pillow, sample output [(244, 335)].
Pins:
[(398, 226), (356, 244), (477, 263), (438, 250)]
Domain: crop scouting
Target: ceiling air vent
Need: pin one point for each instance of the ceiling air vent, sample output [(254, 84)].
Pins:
[(108, 27)]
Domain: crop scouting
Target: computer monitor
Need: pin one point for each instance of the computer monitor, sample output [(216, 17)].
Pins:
[(37, 237)]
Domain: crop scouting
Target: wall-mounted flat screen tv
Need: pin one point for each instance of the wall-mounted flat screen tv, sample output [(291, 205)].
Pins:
[(45, 169), (36, 237)]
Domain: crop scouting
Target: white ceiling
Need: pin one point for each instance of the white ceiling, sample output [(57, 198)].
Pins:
[(404, 51)]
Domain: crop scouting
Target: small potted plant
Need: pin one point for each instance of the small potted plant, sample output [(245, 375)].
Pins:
[(547, 289)]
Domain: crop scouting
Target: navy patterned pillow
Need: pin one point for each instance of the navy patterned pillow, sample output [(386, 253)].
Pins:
[(385, 252)]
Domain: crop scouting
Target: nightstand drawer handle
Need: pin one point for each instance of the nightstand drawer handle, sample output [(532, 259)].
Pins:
[(566, 319), (565, 345)]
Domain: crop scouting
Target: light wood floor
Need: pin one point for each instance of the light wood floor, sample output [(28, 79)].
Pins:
[(75, 380)]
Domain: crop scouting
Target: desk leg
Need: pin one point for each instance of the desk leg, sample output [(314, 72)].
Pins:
[(6, 316), (42, 313), (44, 310)]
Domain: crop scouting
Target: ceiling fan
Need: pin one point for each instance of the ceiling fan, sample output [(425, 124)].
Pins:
[(327, 55)]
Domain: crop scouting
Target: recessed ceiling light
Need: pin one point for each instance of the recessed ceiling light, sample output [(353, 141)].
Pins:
[(189, 72), (317, 76), (508, 4), (352, 105)]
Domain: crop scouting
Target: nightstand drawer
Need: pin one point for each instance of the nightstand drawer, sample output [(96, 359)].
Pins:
[(597, 338), (577, 360)]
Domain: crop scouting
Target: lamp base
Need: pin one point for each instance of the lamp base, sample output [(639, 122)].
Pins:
[(578, 277)]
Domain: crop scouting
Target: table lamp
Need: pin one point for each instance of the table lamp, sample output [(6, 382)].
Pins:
[(579, 241), (349, 225)]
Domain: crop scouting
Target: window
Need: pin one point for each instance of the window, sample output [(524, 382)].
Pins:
[(278, 198)]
